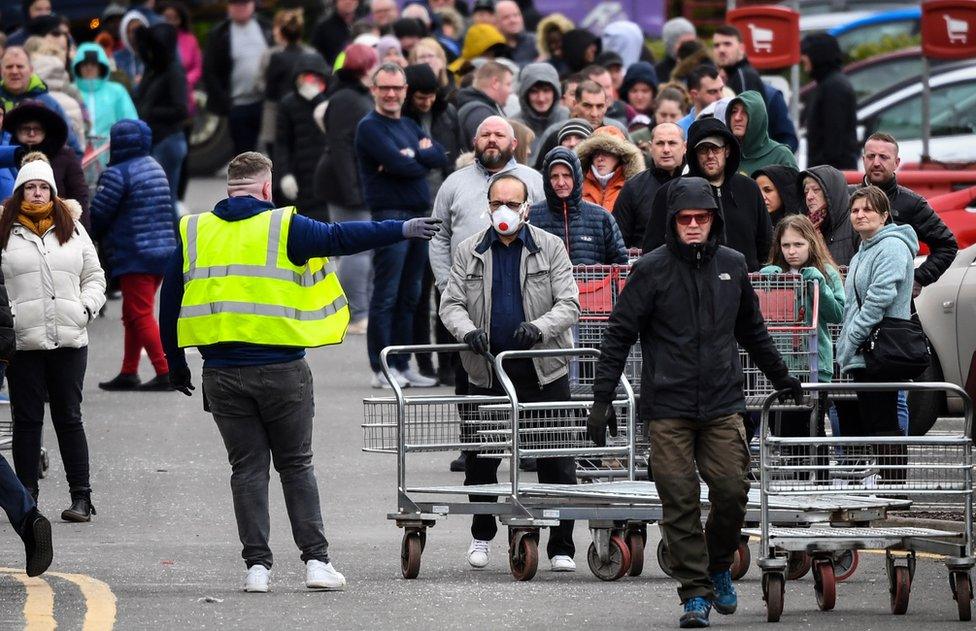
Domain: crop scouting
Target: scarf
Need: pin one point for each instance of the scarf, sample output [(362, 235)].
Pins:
[(36, 217), (602, 179)]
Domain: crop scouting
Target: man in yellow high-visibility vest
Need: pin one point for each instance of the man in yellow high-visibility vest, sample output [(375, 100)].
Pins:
[(251, 288)]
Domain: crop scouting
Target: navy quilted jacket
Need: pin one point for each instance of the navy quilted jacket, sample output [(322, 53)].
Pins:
[(132, 211), (589, 232)]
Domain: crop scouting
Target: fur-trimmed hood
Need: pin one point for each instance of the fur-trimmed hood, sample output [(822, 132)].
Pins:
[(546, 24), (632, 160), (74, 208)]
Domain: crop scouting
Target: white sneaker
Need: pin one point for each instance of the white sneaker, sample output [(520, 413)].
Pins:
[(358, 327), (562, 563), (478, 553), (417, 380), (257, 579), (379, 380), (320, 575)]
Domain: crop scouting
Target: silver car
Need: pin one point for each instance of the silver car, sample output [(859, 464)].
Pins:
[(947, 310)]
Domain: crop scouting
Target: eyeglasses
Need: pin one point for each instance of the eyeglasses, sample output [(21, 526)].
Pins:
[(390, 88), (495, 205), (30, 130), (704, 150), (702, 219)]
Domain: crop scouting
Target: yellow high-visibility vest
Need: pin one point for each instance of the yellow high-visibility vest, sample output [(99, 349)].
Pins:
[(239, 286)]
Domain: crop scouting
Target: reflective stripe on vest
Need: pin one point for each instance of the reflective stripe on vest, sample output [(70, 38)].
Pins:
[(240, 286)]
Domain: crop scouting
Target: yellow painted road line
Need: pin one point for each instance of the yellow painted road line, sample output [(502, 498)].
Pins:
[(100, 611), (39, 606), (99, 601)]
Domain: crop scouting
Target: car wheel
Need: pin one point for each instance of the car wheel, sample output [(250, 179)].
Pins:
[(210, 143), (925, 407)]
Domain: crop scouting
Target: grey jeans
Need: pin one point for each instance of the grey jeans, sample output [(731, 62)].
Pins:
[(355, 270), (265, 413)]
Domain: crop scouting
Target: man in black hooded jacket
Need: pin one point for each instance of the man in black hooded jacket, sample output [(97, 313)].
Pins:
[(689, 302), (830, 115), (714, 154)]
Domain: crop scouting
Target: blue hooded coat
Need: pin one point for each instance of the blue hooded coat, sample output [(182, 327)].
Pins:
[(107, 101), (590, 233), (132, 212)]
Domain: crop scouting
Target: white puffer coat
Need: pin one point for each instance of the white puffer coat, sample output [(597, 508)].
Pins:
[(54, 289)]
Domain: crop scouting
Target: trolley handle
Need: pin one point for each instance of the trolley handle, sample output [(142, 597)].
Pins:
[(941, 386), (509, 387)]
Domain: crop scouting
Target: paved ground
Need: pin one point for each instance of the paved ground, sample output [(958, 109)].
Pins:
[(165, 539)]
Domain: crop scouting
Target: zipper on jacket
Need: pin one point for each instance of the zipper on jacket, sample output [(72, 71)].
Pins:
[(566, 226)]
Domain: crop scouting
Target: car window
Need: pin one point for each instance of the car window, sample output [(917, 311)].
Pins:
[(875, 32), (953, 112), (872, 79)]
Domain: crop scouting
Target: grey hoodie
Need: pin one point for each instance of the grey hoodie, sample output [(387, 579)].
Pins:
[(462, 204), (531, 75), (836, 230)]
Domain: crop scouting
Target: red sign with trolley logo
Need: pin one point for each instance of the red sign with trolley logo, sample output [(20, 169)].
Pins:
[(771, 35), (949, 29)]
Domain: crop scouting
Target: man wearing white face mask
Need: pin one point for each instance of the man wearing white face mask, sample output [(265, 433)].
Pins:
[(496, 315)]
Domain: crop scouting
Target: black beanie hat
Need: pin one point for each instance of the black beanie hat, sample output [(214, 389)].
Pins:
[(409, 27), (421, 78)]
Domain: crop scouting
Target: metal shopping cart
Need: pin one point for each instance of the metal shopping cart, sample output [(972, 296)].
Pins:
[(917, 467), (497, 427)]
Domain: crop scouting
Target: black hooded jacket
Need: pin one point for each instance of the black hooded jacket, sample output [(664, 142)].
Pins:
[(908, 207), (836, 228), (161, 96), (575, 43), (689, 305), (747, 228), (784, 179), (299, 141), (633, 207), (742, 76), (337, 176), (441, 123), (830, 115)]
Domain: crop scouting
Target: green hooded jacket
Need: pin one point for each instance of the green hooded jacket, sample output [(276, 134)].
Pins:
[(758, 149)]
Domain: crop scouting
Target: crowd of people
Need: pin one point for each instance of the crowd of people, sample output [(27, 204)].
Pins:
[(519, 145)]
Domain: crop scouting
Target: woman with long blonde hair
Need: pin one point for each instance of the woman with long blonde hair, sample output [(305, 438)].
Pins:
[(429, 51)]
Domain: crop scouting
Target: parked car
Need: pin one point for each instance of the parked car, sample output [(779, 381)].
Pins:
[(872, 28), (947, 310)]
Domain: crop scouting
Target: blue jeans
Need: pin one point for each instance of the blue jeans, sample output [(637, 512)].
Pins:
[(14, 498), (903, 411), (169, 153), (398, 272)]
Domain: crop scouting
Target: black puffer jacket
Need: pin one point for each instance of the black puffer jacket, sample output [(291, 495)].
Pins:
[(336, 176), (689, 305), (589, 232), (299, 142), (747, 226), (908, 207), (830, 115), (633, 208), (836, 228), (161, 96)]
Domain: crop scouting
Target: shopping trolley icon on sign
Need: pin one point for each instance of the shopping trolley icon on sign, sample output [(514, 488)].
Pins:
[(957, 30), (762, 38)]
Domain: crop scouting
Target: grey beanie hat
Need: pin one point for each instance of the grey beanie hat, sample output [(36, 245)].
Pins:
[(673, 29)]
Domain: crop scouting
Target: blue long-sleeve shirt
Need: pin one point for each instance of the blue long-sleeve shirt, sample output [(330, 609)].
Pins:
[(392, 180), (307, 239)]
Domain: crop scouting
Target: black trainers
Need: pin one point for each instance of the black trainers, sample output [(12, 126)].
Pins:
[(159, 383), (457, 465), (121, 382), (36, 533)]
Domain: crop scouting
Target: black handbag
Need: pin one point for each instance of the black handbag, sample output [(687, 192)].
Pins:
[(896, 349)]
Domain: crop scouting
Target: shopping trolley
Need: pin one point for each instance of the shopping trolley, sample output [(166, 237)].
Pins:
[(910, 466), (94, 160), (496, 427)]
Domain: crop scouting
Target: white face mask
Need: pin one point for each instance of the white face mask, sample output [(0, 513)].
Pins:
[(507, 221), (308, 91)]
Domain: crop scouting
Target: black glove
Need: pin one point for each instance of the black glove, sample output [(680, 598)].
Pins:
[(477, 341), (793, 385), (602, 417), (179, 378), (527, 335)]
